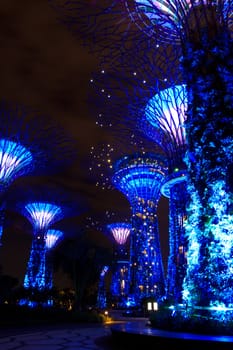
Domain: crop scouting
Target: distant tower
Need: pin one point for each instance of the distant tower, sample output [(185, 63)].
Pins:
[(120, 269), (25, 147), (53, 237), (140, 177)]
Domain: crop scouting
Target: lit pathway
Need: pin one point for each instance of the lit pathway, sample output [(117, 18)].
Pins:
[(60, 339)]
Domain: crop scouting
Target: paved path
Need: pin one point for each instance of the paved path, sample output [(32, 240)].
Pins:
[(69, 337)]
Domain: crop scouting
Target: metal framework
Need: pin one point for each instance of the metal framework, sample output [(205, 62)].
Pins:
[(140, 177)]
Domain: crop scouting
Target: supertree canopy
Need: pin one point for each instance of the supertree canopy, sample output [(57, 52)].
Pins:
[(120, 232), (99, 25), (52, 238), (25, 141), (140, 177), (175, 20), (26, 148), (120, 273), (15, 159)]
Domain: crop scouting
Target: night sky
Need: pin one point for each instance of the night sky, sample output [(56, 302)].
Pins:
[(44, 67)]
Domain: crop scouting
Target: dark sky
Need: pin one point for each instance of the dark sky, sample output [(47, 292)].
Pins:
[(44, 67)]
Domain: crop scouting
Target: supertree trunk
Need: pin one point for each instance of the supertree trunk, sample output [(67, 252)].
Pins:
[(208, 68), (177, 258)]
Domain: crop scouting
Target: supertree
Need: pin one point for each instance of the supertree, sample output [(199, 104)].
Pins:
[(203, 29), (43, 204), (101, 221), (25, 147), (103, 161), (152, 102), (53, 237), (120, 279), (202, 33), (139, 177), (41, 215)]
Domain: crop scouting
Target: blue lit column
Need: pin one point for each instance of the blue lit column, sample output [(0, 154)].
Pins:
[(120, 273), (41, 215), (140, 177)]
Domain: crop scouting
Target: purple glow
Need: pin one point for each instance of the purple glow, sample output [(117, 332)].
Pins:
[(52, 238), (120, 232), (42, 214)]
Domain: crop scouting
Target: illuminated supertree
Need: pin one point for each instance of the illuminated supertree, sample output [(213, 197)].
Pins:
[(120, 271), (53, 237), (139, 177), (155, 107), (101, 222), (166, 111), (201, 31), (42, 215), (103, 167), (43, 204), (25, 147)]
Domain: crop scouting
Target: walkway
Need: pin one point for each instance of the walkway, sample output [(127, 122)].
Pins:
[(68, 337), (117, 335)]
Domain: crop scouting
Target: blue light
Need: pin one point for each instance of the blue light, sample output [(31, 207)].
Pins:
[(15, 160), (140, 178), (52, 238), (171, 19), (166, 110), (42, 214)]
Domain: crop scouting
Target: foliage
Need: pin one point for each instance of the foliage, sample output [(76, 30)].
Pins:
[(179, 321)]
